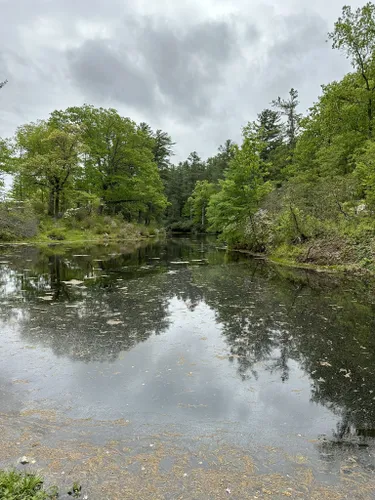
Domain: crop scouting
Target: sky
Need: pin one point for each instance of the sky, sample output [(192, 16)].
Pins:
[(198, 69)]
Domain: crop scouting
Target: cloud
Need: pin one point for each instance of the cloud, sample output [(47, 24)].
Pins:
[(104, 73), (199, 69), (157, 66)]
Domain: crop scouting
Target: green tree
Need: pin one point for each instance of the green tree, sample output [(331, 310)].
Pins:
[(49, 157), (335, 127), (269, 131), (365, 173), (354, 34), (119, 162), (162, 148), (217, 165), (198, 202), (232, 209), (163, 151), (288, 109)]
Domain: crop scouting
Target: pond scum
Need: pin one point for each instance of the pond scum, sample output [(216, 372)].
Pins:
[(159, 466)]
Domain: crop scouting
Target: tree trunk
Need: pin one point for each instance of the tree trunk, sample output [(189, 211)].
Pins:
[(369, 111), (302, 237), (51, 203), (57, 203)]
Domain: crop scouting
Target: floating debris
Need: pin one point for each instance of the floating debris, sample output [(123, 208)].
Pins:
[(25, 460), (113, 322), (325, 363)]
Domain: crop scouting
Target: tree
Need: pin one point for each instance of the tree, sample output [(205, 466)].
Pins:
[(269, 131), (354, 34), (335, 127), (365, 173), (49, 157), (163, 151), (118, 164), (198, 202), (162, 148), (288, 108), (217, 165), (233, 207), (5, 155)]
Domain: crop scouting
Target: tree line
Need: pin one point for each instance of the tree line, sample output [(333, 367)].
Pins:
[(293, 178), (87, 156), (298, 179)]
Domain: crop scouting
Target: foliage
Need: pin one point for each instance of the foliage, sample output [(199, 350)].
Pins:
[(288, 108), (365, 173), (181, 180), (233, 207), (18, 486), (269, 131), (294, 182), (354, 34), (17, 221), (89, 160), (197, 204), (76, 225), (119, 163), (48, 158)]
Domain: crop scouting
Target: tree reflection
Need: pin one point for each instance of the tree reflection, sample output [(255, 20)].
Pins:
[(267, 316)]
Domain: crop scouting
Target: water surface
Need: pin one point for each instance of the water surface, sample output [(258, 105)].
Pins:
[(181, 337)]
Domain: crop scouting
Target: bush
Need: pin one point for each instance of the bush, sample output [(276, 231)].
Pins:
[(182, 226), (74, 217), (17, 221), (39, 207), (56, 234), (129, 231)]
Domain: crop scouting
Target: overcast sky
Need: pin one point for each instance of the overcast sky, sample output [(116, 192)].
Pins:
[(199, 69)]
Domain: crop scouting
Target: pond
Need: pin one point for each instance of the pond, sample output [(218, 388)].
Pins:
[(178, 370)]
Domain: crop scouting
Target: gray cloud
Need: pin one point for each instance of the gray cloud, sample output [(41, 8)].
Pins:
[(157, 66), (199, 69), (104, 73)]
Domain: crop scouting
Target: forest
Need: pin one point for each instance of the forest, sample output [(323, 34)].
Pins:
[(298, 187)]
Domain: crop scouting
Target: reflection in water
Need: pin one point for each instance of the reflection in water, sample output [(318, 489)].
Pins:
[(93, 305)]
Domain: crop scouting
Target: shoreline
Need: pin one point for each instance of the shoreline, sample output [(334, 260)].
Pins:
[(353, 269), (75, 242)]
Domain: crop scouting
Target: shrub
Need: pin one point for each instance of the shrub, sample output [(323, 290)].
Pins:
[(56, 234), (183, 226), (17, 221)]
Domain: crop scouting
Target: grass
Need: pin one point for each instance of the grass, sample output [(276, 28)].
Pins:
[(94, 229), (22, 486)]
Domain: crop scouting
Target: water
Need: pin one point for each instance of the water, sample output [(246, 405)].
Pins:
[(180, 346)]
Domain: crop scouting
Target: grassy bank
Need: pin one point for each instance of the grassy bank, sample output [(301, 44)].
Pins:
[(74, 227), (353, 253), (331, 252), (98, 228)]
